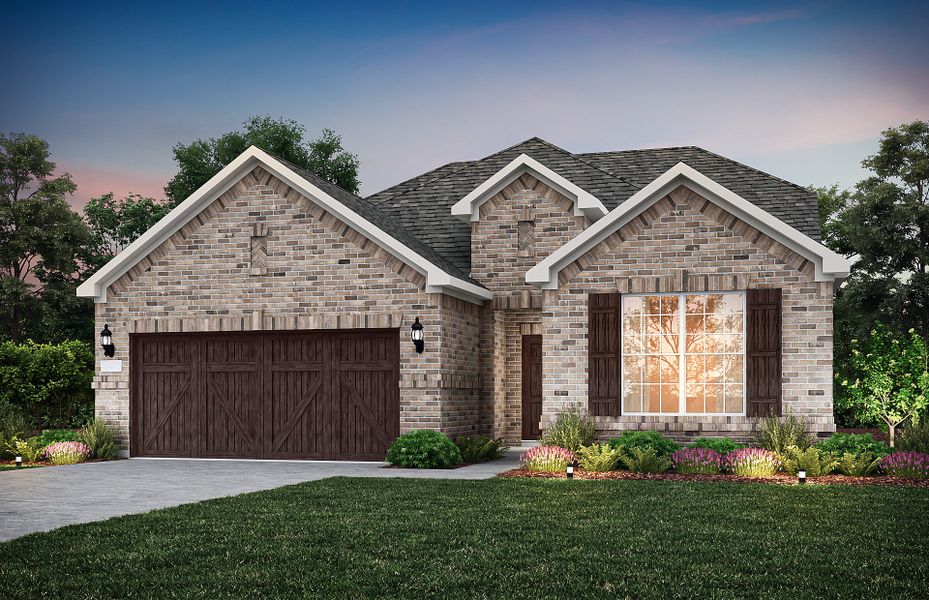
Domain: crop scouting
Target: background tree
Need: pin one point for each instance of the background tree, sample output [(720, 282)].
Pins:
[(883, 226), (284, 138), (40, 236), (891, 378), (114, 224)]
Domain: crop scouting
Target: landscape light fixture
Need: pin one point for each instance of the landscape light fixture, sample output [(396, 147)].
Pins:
[(569, 471), (19, 461), (106, 340), (416, 334), (801, 476)]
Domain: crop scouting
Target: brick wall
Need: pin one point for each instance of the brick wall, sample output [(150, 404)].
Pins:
[(686, 243), (318, 274), (500, 264)]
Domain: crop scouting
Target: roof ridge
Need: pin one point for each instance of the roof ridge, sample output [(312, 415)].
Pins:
[(589, 164)]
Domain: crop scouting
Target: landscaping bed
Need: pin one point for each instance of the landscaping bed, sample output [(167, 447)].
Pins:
[(780, 478)]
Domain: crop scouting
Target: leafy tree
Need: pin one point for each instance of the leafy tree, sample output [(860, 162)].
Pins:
[(114, 224), (284, 138), (889, 378), (40, 236)]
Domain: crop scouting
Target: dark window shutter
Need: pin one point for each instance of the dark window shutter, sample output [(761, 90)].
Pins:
[(763, 352), (604, 354)]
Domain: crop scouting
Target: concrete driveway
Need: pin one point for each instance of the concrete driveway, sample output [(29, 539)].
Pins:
[(50, 497)]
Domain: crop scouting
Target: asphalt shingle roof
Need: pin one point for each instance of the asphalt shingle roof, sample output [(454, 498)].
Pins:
[(422, 205), (384, 221)]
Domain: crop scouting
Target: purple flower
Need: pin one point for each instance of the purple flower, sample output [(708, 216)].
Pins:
[(551, 459), (906, 464), (697, 460)]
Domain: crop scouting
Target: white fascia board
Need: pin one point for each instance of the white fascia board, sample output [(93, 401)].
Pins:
[(829, 265), (436, 278), (585, 203)]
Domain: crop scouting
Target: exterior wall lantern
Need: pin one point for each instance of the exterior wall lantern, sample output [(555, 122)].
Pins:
[(106, 340), (416, 334)]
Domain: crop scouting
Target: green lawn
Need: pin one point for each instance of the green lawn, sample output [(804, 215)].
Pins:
[(508, 538)]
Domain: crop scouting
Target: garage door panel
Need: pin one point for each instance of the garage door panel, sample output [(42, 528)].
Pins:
[(167, 378), (297, 416), (310, 394)]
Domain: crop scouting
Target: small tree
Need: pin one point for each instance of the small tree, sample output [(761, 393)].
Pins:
[(891, 378)]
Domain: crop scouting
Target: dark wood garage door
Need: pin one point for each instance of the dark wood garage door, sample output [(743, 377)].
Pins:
[(308, 394)]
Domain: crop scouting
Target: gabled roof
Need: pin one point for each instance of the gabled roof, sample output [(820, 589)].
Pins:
[(423, 204), (828, 264), (363, 216), (585, 203)]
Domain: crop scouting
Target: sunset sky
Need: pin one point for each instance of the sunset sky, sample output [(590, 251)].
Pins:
[(800, 90)]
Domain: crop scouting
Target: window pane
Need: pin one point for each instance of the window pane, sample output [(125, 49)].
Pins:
[(653, 305), (669, 369), (652, 398), (669, 305), (670, 398), (696, 304), (734, 399), (632, 397), (694, 398), (714, 398), (633, 369), (733, 368), (714, 368)]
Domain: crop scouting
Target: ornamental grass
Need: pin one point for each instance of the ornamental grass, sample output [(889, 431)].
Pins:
[(547, 459), (752, 462), (67, 453)]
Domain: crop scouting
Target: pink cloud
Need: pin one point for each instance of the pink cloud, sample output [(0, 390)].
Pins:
[(93, 181)]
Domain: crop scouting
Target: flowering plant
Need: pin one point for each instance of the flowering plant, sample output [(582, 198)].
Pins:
[(549, 459), (67, 453), (697, 460), (752, 462), (906, 464)]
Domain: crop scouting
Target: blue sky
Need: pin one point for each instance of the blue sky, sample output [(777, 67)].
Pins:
[(801, 90)]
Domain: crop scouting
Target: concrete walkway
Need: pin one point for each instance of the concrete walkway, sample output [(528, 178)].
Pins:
[(50, 497)]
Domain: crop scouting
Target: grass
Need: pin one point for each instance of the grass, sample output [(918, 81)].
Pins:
[(504, 538), (13, 467)]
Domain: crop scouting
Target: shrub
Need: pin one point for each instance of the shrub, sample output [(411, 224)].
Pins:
[(776, 433), (915, 438), (599, 457), (840, 444), (101, 438), (479, 448), (424, 449), (547, 459), (645, 440), (12, 426), (703, 461), (647, 460), (858, 465), (50, 436), (906, 464), (30, 448), (721, 445), (49, 383), (573, 428), (752, 462), (67, 453), (811, 460)]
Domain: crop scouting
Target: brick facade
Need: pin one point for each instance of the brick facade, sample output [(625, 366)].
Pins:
[(318, 274), (686, 243), (265, 257), (499, 263)]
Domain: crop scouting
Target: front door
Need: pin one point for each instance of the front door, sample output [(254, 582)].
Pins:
[(532, 386)]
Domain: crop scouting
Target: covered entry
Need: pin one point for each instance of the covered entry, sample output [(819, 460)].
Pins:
[(330, 394)]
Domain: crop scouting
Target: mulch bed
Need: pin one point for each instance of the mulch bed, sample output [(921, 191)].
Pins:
[(782, 479)]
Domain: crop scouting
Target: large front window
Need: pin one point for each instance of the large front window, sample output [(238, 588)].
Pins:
[(683, 353)]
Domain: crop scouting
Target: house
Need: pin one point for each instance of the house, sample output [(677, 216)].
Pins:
[(269, 315)]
